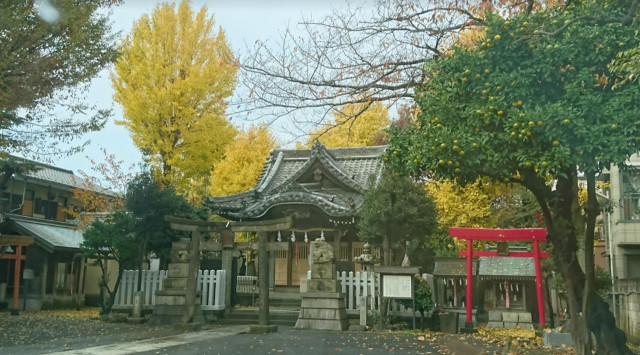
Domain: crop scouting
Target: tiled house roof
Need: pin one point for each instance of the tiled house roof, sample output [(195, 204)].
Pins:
[(332, 179), (48, 174), (48, 234)]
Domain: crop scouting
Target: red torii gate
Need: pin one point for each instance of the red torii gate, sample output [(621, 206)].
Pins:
[(18, 257), (536, 235)]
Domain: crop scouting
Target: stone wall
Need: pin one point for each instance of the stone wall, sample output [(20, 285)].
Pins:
[(628, 312)]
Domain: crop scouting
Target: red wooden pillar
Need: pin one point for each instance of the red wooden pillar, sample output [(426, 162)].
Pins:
[(469, 279), (16, 276), (536, 257)]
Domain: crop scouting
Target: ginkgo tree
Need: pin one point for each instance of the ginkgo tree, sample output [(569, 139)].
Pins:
[(532, 104), (355, 125), (172, 79), (243, 161)]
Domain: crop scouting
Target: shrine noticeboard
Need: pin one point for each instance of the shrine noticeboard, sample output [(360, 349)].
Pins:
[(397, 282), (397, 286)]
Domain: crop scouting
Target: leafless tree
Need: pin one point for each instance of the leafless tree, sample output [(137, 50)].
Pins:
[(357, 54)]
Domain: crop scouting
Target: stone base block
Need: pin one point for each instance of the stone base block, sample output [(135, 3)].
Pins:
[(174, 297), (527, 326), (170, 300), (495, 316), (510, 325), (510, 317), (557, 339), (494, 324), (320, 313), (323, 300), (323, 311), (262, 329), (322, 324), (165, 314), (178, 270), (323, 285), (449, 322), (175, 283), (323, 271), (524, 317)]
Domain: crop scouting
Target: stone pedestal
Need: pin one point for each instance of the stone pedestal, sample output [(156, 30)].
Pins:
[(323, 306), (323, 311), (171, 302)]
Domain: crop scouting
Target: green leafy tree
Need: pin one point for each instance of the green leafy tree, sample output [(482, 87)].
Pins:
[(149, 202), (534, 104), (48, 52), (395, 212), (423, 296), (112, 238), (627, 64)]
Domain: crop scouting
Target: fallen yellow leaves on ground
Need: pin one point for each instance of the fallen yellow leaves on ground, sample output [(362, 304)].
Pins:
[(522, 338), (83, 313)]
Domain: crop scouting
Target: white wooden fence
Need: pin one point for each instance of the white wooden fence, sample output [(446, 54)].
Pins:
[(151, 281), (357, 284), (210, 283)]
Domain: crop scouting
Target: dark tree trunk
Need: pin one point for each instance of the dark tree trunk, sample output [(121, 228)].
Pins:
[(559, 208)]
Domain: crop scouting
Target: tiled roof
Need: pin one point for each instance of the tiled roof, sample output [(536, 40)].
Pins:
[(506, 267), (279, 182), (49, 234), (51, 174), (452, 267)]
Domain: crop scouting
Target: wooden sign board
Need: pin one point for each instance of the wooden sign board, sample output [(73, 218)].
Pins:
[(15, 240), (502, 248), (397, 286)]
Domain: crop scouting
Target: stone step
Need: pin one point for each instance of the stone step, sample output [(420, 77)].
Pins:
[(250, 316), (282, 302)]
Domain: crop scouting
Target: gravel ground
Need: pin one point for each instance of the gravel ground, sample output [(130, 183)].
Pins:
[(60, 330), (52, 331)]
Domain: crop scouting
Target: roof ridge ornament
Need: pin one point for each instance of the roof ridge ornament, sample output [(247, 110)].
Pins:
[(317, 145)]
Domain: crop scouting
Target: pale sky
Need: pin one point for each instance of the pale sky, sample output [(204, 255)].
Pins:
[(244, 21)]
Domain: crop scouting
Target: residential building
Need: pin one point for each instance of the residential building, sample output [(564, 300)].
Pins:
[(34, 202)]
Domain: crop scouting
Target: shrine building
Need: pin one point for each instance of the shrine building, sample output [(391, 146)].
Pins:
[(322, 190)]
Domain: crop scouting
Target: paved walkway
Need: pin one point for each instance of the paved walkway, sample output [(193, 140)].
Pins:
[(73, 333), (234, 340), (153, 345)]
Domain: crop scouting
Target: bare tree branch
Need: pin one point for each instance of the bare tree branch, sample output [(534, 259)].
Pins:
[(358, 55)]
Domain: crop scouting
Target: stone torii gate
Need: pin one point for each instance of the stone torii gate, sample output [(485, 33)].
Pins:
[(227, 246), (535, 235)]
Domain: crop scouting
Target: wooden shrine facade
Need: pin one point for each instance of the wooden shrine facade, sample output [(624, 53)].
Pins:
[(321, 190)]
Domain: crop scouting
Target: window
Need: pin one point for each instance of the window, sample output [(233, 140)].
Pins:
[(631, 194), (45, 207), (633, 266)]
